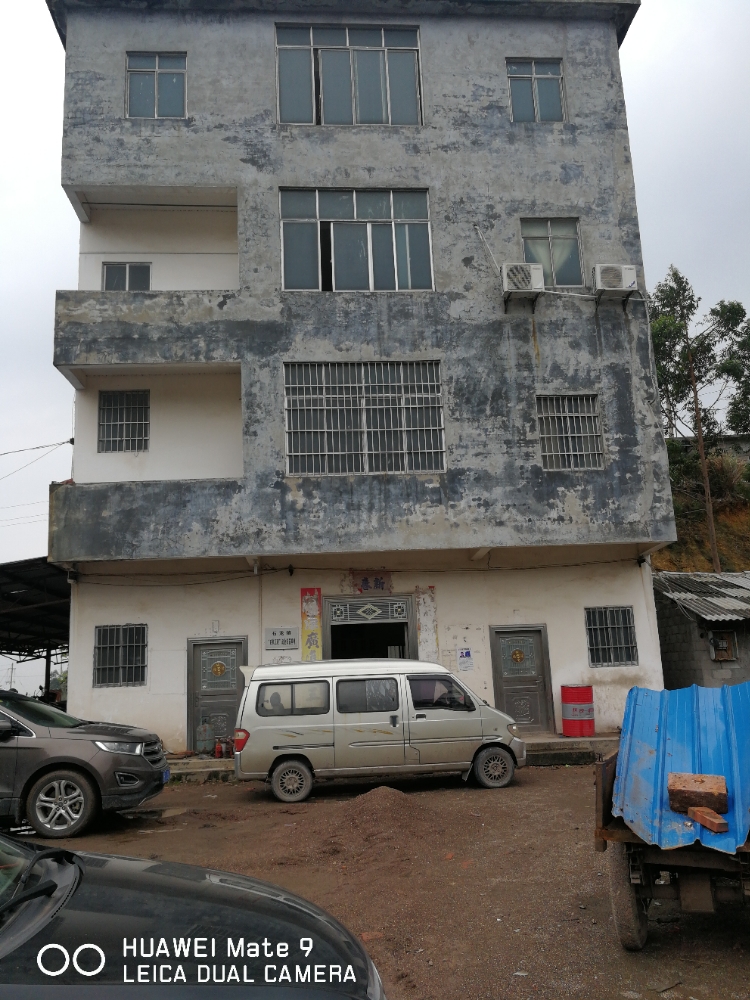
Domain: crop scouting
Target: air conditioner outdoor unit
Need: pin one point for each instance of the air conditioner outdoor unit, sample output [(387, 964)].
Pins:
[(614, 281), (524, 281)]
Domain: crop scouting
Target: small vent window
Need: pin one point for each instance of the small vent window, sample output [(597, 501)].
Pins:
[(120, 655), (364, 417), (611, 637), (124, 421), (127, 277), (570, 432)]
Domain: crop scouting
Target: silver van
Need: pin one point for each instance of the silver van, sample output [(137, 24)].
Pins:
[(340, 718)]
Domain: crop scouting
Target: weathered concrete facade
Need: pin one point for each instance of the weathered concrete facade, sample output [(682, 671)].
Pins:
[(481, 170)]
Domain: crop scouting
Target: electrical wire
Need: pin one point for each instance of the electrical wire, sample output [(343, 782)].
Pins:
[(21, 468), (36, 447)]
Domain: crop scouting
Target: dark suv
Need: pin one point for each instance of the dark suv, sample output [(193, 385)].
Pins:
[(58, 771)]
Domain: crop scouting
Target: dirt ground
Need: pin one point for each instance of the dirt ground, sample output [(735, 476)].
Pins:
[(458, 892)]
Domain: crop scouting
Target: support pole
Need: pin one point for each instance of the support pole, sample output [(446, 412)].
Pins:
[(47, 670)]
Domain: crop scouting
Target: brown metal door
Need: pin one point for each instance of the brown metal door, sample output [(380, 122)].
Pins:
[(216, 690), (520, 674)]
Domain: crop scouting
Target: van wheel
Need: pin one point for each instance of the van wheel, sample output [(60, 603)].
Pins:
[(291, 781), (61, 804), (494, 767)]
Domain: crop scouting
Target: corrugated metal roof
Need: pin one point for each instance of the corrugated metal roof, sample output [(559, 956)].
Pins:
[(694, 730), (716, 597)]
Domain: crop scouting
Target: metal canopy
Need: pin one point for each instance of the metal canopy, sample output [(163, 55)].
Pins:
[(34, 608), (715, 597)]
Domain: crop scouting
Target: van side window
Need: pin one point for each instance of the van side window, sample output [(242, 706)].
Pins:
[(439, 692), (305, 698), (376, 695)]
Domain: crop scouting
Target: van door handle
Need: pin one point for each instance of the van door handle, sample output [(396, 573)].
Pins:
[(394, 721), (421, 715)]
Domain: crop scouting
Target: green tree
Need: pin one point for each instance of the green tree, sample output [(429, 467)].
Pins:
[(696, 360)]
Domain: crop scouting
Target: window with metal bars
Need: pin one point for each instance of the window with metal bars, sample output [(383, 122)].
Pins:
[(570, 432), (120, 655), (361, 418), (611, 636), (124, 421)]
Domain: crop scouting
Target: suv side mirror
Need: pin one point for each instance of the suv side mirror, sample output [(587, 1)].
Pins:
[(7, 730)]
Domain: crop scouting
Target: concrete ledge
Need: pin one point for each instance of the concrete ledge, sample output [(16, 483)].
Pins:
[(546, 751)]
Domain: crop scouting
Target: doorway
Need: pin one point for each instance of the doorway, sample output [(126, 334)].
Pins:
[(521, 676), (359, 628), (215, 685)]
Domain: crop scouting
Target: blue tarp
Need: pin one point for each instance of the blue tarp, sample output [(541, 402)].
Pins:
[(694, 730)]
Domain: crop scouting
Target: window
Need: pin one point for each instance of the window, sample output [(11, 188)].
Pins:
[(536, 90), (348, 76), (611, 636), (356, 240), (355, 697), (127, 277), (364, 417), (306, 698), (569, 432), (554, 244), (124, 421), (156, 84), (120, 655), (439, 692)]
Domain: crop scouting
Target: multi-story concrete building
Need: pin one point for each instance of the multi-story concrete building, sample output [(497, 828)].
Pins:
[(310, 422)]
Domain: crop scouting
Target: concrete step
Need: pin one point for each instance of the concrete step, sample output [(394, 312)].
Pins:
[(549, 749), (200, 769)]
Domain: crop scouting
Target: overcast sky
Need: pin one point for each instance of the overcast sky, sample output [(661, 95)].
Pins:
[(686, 67)]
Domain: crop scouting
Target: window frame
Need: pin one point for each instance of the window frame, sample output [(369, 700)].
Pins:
[(364, 430), (629, 609), (597, 414), (315, 73), (143, 667), (127, 264), (102, 439), (292, 684), (363, 680), (157, 53), (534, 96), (549, 220), (393, 221)]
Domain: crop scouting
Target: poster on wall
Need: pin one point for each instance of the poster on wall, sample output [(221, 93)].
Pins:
[(311, 604)]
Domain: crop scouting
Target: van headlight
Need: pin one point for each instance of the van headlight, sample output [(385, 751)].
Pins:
[(514, 730), (132, 748)]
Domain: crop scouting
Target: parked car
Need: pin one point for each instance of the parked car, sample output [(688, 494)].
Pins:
[(76, 919), (58, 771), (368, 717)]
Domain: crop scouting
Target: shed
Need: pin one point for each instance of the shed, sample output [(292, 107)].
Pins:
[(704, 628)]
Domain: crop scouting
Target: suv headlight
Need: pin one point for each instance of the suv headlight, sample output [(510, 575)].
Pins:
[(131, 748)]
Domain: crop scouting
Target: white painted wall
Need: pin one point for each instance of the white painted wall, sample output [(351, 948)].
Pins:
[(188, 248), (196, 430), (461, 603)]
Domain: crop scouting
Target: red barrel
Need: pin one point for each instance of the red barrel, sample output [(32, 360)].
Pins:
[(578, 710)]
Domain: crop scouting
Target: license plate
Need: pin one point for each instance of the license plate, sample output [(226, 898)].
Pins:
[(165, 775)]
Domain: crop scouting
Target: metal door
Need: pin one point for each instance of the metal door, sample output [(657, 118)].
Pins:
[(521, 676), (369, 723), (445, 726), (217, 685)]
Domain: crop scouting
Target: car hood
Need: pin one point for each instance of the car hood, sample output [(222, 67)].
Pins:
[(149, 913), (105, 731)]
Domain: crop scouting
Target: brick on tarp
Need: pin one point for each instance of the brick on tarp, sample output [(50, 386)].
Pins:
[(706, 790), (708, 818)]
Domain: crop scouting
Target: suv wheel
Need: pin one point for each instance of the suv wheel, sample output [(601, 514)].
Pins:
[(494, 767), (61, 804), (291, 781)]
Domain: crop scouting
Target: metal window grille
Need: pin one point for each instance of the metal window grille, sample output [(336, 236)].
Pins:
[(124, 421), (120, 655), (611, 636), (364, 417), (570, 432)]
